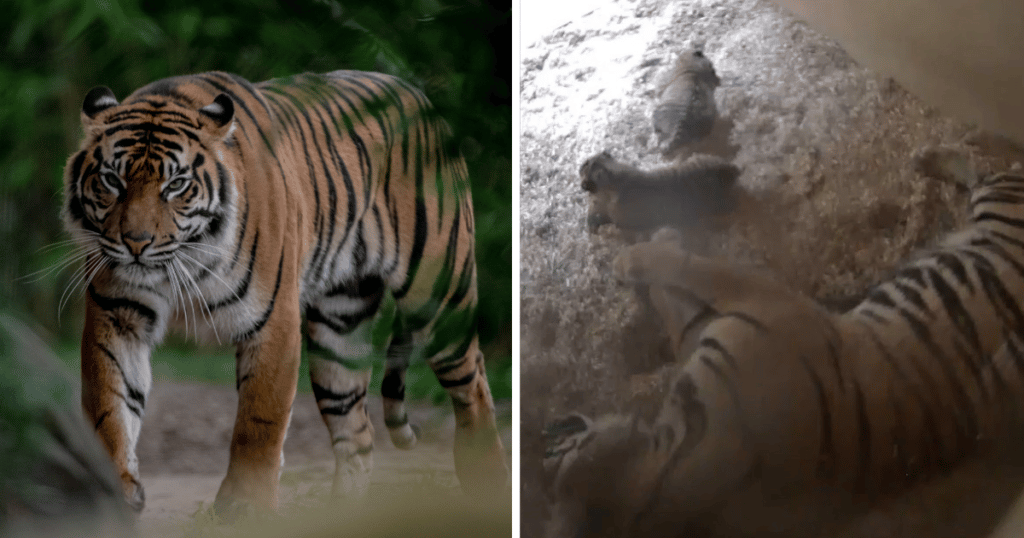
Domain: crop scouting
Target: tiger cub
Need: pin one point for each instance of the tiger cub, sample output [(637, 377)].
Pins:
[(690, 194), (686, 112), (787, 417), (242, 212)]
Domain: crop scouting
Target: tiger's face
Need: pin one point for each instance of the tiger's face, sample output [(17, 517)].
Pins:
[(145, 196)]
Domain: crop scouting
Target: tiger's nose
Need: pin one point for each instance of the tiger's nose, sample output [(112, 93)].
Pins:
[(136, 242)]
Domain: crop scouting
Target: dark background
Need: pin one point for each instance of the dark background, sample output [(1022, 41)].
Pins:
[(54, 51)]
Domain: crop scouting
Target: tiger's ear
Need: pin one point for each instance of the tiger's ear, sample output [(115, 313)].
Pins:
[(221, 112), (97, 100)]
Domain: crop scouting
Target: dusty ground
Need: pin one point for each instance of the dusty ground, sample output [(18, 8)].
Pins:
[(832, 201), (183, 451)]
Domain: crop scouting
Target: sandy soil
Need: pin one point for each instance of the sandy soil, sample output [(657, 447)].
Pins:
[(183, 451), (831, 201)]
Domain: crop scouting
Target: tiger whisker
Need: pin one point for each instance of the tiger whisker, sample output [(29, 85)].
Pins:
[(187, 301), (202, 299), (61, 243), (217, 250), (186, 257), (88, 271), (183, 273), (79, 274), (176, 293), (71, 286), (76, 256)]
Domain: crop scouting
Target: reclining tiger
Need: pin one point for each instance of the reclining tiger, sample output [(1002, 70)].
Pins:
[(233, 210), (786, 415)]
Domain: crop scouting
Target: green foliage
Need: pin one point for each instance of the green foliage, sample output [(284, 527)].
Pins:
[(55, 50), (52, 464)]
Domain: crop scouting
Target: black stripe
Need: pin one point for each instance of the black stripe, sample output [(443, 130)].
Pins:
[(134, 394), (833, 356), (112, 303), (314, 315), (322, 246), (956, 310), (1004, 197), (241, 233), (204, 213), (963, 410), (420, 231), (880, 296), (996, 291), (243, 287), (173, 146), (343, 324), (826, 465), (998, 250), (712, 343), (465, 281), (345, 400), (462, 381), (1006, 238), (999, 217), (864, 438), (100, 420), (365, 287), (933, 442), (748, 319), (912, 294), (393, 384), (358, 250), (1015, 353), (76, 167), (902, 460), (262, 321), (147, 126), (455, 360)]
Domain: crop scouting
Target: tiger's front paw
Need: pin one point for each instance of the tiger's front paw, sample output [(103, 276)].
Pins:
[(229, 509), (625, 268), (245, 491), (134, 495)]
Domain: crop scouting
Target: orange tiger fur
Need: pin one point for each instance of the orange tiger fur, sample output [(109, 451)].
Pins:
[(234, 210)]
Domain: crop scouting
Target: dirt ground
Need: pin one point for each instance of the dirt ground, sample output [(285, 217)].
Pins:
[(832, 203), (183, 451)]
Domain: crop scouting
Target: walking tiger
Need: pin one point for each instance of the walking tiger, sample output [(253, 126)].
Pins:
[(233, 210)]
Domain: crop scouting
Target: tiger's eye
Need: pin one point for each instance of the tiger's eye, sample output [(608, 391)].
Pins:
[(176, 184), (111, 181)]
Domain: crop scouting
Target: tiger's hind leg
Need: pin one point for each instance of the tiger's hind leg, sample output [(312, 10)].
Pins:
[(392, 391), (341, 396), (479, 455), (340, 364)]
